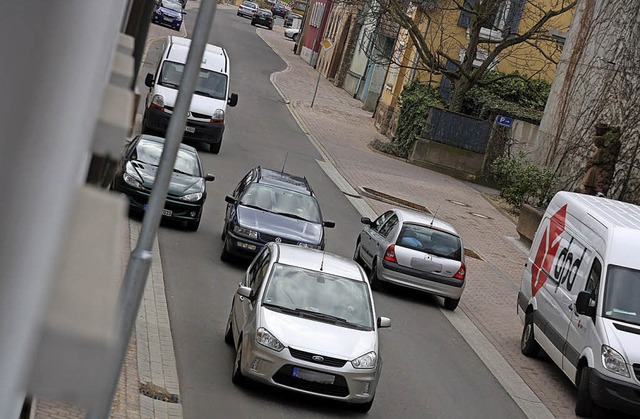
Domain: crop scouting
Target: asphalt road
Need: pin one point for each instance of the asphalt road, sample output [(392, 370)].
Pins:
[(429, 370)]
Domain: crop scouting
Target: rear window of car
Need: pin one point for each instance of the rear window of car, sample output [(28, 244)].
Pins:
[(430, 240), (250, 4)]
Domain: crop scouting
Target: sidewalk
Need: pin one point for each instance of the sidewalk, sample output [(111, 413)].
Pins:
[(490, 297)]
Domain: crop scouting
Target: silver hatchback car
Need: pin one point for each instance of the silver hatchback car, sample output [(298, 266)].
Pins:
[(304, 320), (415, 250)]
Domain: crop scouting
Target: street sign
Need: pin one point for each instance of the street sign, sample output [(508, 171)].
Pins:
[(504, 121)]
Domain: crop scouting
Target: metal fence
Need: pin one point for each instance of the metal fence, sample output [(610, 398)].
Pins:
[(457, 130)]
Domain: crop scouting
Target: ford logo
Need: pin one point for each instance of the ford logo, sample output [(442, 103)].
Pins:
[(317, 358), (278, 240)]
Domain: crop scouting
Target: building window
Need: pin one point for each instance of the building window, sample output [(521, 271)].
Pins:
[(394, 67)]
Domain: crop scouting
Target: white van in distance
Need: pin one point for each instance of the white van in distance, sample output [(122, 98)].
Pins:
[(205, 120), (580, 298)]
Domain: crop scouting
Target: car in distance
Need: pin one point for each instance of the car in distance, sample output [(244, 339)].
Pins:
[(269, 205), (247, 9), (263, 17), (292, 33), (288, 22), (168, 13), (280, 9), (136, 173), (304, 320), (415, 250)]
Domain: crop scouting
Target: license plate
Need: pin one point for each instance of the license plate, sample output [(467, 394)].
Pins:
[(168, 18), (316, 377), (165, 212), (189, 129)]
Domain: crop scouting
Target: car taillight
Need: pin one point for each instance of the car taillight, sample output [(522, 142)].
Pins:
[(461, 272), (390, 254), (218, 116), (157, 102), (255, 14)]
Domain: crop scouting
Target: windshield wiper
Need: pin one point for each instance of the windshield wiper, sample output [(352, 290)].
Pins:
[(322, 316), (169, 84), (280, 308), (253, 206), (199, 92), (182, 173), (297, 217)]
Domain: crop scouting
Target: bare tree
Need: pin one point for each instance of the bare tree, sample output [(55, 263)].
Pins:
[(494, 31)]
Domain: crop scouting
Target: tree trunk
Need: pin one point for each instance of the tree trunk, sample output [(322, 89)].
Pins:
[(460, 89)]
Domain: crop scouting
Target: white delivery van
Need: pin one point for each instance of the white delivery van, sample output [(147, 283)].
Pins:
[(580, 298), (206, 116)]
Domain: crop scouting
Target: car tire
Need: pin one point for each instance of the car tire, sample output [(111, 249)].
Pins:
[(451, 303), (228, 333), (584, 403), (528, 345), (215, 148), (253, 23), (223, 235), (295, 37), (363, 407), (356, 254), (374, 281), (225, 256), (237, 378), (270, 28), (193, 225), (238, 13)]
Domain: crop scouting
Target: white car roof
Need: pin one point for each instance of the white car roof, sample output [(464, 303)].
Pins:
[(214, 58), (315, 259), (411, 216)]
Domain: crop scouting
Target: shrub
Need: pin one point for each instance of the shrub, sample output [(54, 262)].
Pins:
[(415, 101), (521, 181)]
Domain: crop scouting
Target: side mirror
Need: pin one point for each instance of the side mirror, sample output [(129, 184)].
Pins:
[(233, 99), (329, 224), (148, 81), (366, 220), (245, 292), (230, 200), (582, 304), (184, 12), (384, 322), (209, 178)]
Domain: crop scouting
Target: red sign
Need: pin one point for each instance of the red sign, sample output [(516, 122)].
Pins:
[(547, 250)]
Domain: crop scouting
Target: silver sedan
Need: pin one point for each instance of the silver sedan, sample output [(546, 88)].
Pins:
[(415, 250), (304, 320), (248, 9)]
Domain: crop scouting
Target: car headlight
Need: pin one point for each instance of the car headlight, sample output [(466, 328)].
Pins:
[(245, 232), (192, 197), (310, 246), (132, 181), (613, 361), (265, 338), (366, 361)]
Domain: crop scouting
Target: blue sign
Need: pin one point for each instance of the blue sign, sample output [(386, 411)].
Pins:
[(504, 121)]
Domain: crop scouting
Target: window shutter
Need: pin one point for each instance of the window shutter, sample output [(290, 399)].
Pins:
[(515, 15), (465, 17), (445, 84)]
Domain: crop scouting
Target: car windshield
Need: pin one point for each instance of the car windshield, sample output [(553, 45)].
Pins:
[(435, 242), (172, 5), (622, 294), (149, 152), (318, 295), (282, 201), (210, 83)]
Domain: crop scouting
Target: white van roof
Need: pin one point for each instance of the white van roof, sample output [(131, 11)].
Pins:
[(214, 58), (608, 212)]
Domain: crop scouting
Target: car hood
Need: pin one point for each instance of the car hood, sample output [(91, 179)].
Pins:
[(625, 342), (318, 337), (180, 185), (169, 12), (199, 103), (279, 225)]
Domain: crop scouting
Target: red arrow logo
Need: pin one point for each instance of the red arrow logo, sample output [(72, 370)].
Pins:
[(547, 250)]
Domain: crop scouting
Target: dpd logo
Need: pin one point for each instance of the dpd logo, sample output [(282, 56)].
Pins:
[(547, 250), (566, 267)]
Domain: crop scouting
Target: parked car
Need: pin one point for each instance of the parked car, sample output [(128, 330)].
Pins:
[(136, 174), (269, 205), (263, 17), (414, 250), (280, 9), (305, 320), (169, 13), (247, 9), (288, 22), (292, 33)]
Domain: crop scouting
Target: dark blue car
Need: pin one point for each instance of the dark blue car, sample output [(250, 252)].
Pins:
[(269, 205), (169, 13)]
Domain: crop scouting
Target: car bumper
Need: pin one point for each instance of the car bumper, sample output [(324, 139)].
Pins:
[(412, 278), (242, 246), (156, 121), (267, 366), (614, 394), (173, 22), (173, 208), (263, 22)]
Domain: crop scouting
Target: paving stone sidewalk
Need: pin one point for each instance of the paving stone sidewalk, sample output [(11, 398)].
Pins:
[(342, 131)]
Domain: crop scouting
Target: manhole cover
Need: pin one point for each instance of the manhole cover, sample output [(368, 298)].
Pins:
[(158, 393), (475, 214), (381, 196), (462, 204)]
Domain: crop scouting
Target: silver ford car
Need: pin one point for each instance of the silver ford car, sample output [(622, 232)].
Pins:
[(415, 250), (304, 320)]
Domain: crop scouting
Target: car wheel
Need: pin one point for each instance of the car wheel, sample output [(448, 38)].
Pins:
[(223, 235), (225, 256), (271, 27), (215, 148), (528, 345), (374, 282), (193, 225), (356, 254), (228, 333), (237, 378), (363, 407), (253, 23), (295, 37), (238, 13), (451, 303), (584, 404)]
